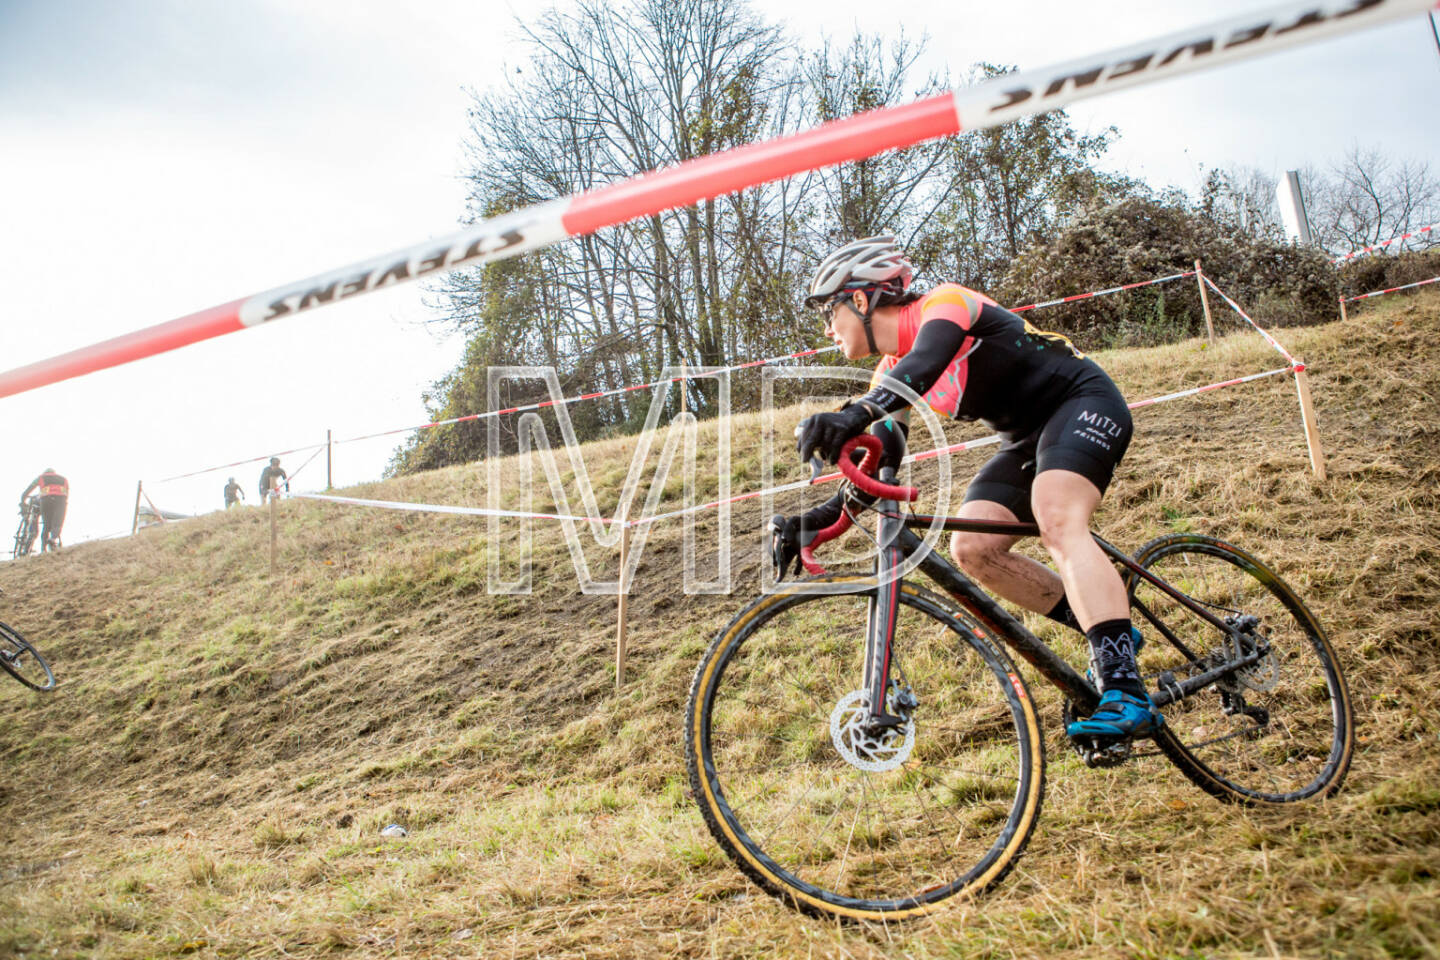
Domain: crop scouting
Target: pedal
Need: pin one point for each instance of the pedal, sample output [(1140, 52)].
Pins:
[(1101, 751), (1096, 751)]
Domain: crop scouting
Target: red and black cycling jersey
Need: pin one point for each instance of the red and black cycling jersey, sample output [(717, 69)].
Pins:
[(971, 359), (50, 484)]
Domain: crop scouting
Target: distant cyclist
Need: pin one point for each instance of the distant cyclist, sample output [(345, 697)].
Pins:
[(1064, 424), (233, 494), (54, 493), (272, 474)]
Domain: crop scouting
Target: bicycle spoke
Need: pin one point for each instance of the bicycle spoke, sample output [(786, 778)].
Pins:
[(876, 818), (1300, 749), (969, 772), (765, 709), (779, 823)]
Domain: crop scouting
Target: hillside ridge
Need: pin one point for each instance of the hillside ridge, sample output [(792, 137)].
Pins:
[(223, 747)]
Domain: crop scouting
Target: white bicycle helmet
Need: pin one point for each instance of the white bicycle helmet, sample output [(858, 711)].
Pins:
[(872, 263)]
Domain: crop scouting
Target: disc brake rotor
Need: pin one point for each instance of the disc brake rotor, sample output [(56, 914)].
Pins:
[(872, 752)]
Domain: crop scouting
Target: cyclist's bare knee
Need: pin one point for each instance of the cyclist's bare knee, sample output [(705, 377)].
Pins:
[(976, 553), (1063, 503)]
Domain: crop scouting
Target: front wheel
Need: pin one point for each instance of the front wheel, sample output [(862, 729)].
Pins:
[(23, 540), (840, 820), (1278, 730), (23, 662)]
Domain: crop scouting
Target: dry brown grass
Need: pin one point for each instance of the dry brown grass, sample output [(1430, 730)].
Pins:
[(212, 774)]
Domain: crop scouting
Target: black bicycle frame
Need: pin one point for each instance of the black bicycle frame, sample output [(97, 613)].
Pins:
[(898, 541)]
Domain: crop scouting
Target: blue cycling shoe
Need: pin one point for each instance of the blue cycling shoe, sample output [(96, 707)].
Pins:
[(1119, 716)]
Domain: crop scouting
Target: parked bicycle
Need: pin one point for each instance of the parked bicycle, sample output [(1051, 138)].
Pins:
[(29, 529), (869, 753), (23, 662)]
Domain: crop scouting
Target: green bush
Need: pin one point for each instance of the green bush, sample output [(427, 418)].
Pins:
[(1143, 237), (1381, 271)]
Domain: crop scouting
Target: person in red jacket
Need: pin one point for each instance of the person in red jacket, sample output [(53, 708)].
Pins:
[(54, 495)]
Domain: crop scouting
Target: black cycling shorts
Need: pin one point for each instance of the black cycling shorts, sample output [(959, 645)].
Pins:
[(1087, 434)]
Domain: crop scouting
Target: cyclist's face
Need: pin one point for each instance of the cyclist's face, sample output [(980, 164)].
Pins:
[(844, 327)]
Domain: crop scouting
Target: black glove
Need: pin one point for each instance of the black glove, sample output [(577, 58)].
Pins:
[(789, 534), (826, 433)]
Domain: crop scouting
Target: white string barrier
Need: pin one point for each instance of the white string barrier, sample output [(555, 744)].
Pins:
[(913, 458), (783, 488), (1379, 293), (1382, 246), (992, 103), (1294, 364), (441, 508)]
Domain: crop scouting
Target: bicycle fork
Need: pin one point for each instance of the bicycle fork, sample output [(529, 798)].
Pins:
[(881, 614)]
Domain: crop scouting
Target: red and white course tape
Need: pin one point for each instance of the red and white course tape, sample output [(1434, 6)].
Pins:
[(1294, 364), (1378, 293), (992, 103), (642, 386), (1382, 246), (592, 396), (1100, 293), (940, 451), (240, 463)]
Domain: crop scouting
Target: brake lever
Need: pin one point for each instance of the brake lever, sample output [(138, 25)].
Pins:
[(817, 466)]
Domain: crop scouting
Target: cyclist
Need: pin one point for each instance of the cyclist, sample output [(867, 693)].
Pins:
[(272, 473), (54, 495), (233, 494), (1064, 427)]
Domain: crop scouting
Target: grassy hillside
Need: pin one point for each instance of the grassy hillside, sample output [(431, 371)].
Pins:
[(212, 774)]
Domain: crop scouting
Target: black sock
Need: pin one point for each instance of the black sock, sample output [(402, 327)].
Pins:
[(1063, 615), (1112, 656)]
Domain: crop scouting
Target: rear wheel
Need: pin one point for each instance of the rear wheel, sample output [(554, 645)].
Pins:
[(841, 821), (23, 662), (1278, 730)]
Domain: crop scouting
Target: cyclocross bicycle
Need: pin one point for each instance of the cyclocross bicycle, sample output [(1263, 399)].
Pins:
[(24, 662), (870, 752), (29, 528)]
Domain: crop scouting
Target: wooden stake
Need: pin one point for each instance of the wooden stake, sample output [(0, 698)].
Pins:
[(684, 401), (329, 446), (1307, 415), (622, 608), (1343, 316), (274, 522), (1205, 302), (135, 522)]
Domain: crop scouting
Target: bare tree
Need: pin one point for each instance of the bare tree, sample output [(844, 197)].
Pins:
[(1242, 200), (1367, 198), (610, 91), (1011, 187)]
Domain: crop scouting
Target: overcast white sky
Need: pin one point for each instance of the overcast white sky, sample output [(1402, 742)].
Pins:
[(161, 157)]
